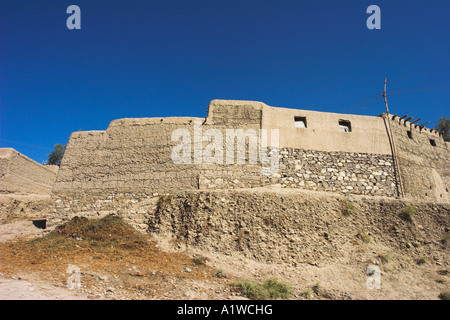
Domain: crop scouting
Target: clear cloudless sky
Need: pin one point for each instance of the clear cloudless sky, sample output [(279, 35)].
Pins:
[(171, 58)]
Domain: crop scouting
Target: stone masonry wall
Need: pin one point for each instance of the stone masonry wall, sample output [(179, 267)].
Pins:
[(341, 172)]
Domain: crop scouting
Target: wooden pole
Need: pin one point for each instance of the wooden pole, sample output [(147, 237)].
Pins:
[(385, 98), (392, 143)]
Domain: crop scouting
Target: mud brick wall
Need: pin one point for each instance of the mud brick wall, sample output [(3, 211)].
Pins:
[(21, 175), (424, 167)]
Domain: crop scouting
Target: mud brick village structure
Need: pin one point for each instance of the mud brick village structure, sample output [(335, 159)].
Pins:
[(128, 170)]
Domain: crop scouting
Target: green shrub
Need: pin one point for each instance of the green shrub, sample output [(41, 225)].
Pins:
[(364, 237), (422, 260), (276, 289), (307, 293), (349, 208), (220, 274), (252, 290), (385, 258), (316, 287), (269, 289), (408, 213)]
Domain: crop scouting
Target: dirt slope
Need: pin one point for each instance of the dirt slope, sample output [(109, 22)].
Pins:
[(320, 245)]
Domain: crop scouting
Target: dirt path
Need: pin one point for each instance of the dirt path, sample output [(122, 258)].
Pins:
[(20, 229), (19, 289)]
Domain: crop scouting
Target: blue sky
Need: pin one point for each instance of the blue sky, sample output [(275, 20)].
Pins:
[(170, 58)]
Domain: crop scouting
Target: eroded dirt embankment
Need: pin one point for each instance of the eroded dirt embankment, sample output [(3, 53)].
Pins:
[(320, 244), (296, 228), (309, 236)]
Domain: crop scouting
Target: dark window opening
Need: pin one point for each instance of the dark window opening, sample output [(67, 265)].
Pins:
[(300, 122), (409, 134), (345, 126), (432, 142)]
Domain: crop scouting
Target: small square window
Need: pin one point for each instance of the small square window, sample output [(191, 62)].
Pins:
[(409, 134), (345, 126), (300, 122), (432, 142)]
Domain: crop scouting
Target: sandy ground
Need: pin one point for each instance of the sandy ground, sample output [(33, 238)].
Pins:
[(20, 229), (18, 289)]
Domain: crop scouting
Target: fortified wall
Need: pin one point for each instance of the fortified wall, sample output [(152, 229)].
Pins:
[(127, 167), (21, 175), (423, 158)]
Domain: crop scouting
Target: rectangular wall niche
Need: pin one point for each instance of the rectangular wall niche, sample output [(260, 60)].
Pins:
[(300, 122), (345, 126)]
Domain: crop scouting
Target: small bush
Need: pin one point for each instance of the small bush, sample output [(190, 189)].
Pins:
[(349, 208), (269, 289), (444, 295), (307, 293), (422, 260), (199, 260), (408, 213), (385, 258), (220, 274), (316, 287), (276, 289), (441, 280), (364, 237)]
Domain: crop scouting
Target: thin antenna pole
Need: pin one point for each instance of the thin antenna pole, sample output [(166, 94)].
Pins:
[(392, 143), (385, 98)]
